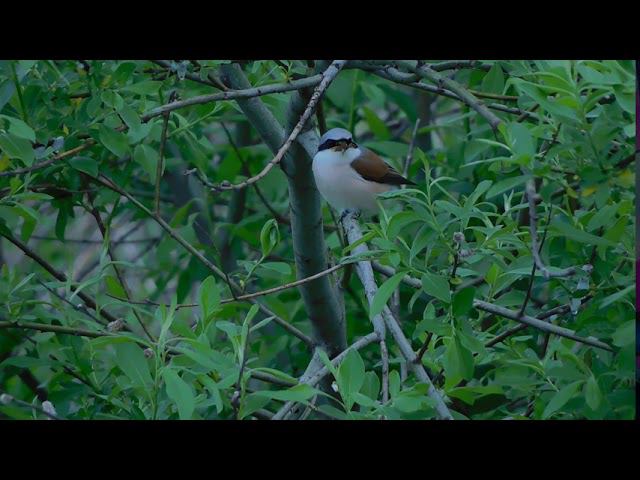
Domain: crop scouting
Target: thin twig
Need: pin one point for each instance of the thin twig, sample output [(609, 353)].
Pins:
[(234, 94), (327, 77), (160, 165), (414, 135), (58, 276), (249, 296), (103, 180), (324, 371), (103, 230), (532, 196), (245, 166), (41, 327), (6, 398), (365, 272), (384, 354), (533, 268), (46, 163), (424, 348), (539, 324), (404, 78), (467, 97)]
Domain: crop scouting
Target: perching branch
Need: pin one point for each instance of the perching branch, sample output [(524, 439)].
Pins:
[(319, 296), (327, 77), (365, 272)]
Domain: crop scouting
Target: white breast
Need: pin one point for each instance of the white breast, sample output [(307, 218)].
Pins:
[(341, 186)]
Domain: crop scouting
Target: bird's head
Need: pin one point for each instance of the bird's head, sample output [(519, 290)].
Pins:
[(337, 140)]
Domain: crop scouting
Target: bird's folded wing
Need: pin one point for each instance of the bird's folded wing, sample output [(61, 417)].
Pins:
[(371, 167)]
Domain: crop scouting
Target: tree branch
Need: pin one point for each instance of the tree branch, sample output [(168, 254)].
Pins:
[(324, 371), (365, 272), (532, 196), (46, 163), (425, 71), (236, 94), (327, 77), (192, 250), (58, 275), (407, 162), (309, 248), (539, 324), (396, 76)]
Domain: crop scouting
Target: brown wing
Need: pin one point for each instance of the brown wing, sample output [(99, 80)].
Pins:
[(371, 167)]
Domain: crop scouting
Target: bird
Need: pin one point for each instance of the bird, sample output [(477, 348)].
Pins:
[(349, 177)]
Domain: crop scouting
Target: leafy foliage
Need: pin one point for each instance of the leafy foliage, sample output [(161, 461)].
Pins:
[(463, 233)]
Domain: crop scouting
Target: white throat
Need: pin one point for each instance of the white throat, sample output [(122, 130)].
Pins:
[(341, 185)]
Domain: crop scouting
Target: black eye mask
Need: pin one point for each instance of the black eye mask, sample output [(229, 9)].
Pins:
[(332, 143)]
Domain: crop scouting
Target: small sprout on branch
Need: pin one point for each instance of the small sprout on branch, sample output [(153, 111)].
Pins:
[(115, 326)]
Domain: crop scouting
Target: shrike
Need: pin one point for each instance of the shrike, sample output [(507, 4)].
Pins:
[(350, 177)]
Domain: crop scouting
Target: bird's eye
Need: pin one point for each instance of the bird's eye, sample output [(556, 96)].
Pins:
[(327, 144)]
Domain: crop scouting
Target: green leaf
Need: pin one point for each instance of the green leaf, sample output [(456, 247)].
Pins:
[(131, 118), (251, 403), (384, 293), (114, 287), (131, 361), (625, 334), (214, 390), (521, 139), (581, 236), (436, 286), (30, 219), (85, 164), (16, 147), (371, 385), (615, 297), (561, 398), (298, 393), (209, 295), (394, 384), (269, 236), (493, 81), (350, 376), (116, 142), (20, 128), (148, 159), (504, 185), (180, 392), (279, 267), (463, 301), (469, 395), (458, 363), (377, 126), (592, 393)]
